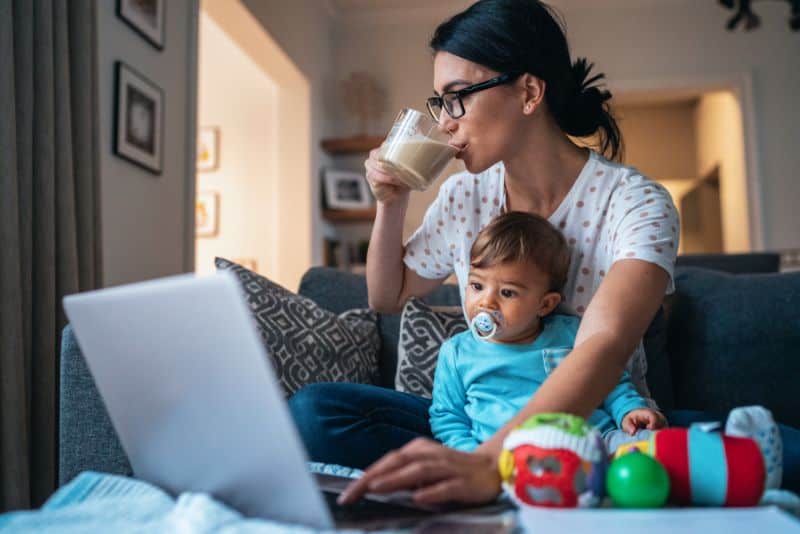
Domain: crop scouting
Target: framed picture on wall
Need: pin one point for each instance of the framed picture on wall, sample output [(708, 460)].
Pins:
[(146, 17), (138, 119), (346, 190), (208, 149), (206, 214)]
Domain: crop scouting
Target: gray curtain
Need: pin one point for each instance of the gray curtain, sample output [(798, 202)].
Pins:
[(49, 223)]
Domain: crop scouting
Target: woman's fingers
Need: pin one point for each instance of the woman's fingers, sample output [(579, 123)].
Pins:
[(378, 173), (450, 489), (424, 465), (418, 449), (360, 486), (415, 474)]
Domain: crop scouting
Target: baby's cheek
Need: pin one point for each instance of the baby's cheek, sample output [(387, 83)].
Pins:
[(469, 306)]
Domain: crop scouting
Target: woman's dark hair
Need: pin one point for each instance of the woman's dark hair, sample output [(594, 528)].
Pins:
[(527, 36)]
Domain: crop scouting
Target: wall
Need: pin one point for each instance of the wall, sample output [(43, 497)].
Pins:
[(244, 178), (145, 217), (660, 139), (303, 30), (720, 142), (631, 41)]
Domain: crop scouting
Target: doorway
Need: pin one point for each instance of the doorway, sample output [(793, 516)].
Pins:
[(254, 149), (693, 143)]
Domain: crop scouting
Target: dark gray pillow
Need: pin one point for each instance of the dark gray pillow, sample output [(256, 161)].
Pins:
[(733, 341), (306, 343), (423, 329)]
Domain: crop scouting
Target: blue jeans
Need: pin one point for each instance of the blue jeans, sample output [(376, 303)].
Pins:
[(355, 424)]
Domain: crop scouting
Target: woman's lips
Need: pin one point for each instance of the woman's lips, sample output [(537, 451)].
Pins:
[(460, 149)]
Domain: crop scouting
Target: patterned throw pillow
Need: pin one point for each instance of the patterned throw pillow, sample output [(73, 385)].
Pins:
[(423, 329), (306, 343)]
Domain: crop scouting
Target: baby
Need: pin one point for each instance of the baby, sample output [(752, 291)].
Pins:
[(484, 376)]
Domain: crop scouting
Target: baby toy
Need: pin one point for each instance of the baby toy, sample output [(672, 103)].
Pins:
[(636, 480), (554, 460), (558, 460), (704, 468)]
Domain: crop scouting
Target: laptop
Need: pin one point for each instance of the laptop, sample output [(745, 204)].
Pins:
[(193, 397)]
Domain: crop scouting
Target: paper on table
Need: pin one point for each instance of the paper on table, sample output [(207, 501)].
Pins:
[(660, 521)]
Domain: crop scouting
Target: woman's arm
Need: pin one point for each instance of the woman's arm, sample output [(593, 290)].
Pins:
[(389, 281), (616, 319)]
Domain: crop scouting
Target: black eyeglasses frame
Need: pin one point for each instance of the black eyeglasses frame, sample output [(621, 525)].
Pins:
[(457, 96)]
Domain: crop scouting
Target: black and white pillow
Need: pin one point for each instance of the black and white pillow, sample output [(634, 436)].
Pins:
[(307, 343), (423, 329)]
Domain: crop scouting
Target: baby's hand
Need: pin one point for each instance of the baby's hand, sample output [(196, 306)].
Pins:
[(643, 418)]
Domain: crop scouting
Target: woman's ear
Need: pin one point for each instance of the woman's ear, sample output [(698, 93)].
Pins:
[(549, 303), (534, 93)]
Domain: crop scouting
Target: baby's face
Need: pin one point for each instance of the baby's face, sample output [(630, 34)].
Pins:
[(519, 291)]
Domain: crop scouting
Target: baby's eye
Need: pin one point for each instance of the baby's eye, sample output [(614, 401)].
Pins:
[(507, 293), (476, 286)]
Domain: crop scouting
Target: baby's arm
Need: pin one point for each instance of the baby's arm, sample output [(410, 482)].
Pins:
[(449, 422), (623, 399)]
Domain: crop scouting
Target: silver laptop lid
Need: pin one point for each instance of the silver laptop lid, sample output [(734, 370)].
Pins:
[(192, 396)]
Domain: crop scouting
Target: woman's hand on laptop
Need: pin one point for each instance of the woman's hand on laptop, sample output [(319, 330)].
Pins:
[(434, 473)]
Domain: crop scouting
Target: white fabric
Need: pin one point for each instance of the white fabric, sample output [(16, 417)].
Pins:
[(756, 422), (611, 213)]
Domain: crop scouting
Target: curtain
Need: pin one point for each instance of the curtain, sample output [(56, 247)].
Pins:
[(49, 223)]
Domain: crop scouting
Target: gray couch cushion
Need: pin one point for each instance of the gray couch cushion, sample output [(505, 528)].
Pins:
[(659, 374), (87, 440), (307, 343), (756, 262), (735, 340), (423, 329), (338, 291)]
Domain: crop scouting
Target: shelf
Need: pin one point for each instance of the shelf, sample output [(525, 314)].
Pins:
[(351, 145), (361, 215)]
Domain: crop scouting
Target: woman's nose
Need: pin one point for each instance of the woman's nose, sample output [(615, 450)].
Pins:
[(447, 124)]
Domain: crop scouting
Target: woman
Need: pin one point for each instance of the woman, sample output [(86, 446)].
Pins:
[(509, 96)]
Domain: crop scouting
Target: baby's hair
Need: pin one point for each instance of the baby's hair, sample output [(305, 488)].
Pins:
[(517, 236)]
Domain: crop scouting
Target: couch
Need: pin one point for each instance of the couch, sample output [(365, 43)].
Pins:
[(720, 341)]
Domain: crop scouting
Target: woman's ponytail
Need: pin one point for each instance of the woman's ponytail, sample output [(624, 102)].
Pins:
[(585, 110)]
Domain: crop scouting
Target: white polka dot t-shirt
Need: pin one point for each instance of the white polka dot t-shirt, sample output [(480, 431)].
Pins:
[(611, 213)]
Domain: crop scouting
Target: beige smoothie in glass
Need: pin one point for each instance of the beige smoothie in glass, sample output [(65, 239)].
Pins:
[(416, 149)]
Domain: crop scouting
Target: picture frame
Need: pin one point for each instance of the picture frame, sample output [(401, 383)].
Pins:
[(145, 17), (346, 190), (208, 139), (206, 214), (138, 119)]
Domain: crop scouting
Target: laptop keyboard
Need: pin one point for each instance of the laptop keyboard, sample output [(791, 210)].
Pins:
[(368, 514)]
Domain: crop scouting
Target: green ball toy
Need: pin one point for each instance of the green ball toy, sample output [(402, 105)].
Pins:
[(636, 480)]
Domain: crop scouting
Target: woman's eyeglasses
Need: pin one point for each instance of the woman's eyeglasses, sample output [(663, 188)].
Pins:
[(452, 103)]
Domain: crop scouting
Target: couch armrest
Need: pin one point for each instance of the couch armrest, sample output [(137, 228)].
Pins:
[(87, 439)]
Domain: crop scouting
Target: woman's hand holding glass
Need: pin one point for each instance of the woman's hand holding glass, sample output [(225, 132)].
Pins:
[(383, 180)]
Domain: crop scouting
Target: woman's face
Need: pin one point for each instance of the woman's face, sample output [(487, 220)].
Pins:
[(488, 130)]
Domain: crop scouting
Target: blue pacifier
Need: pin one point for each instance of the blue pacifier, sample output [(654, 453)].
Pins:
[(485, 324)]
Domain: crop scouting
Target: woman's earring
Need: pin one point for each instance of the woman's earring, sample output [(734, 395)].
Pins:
[(528, 107)]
